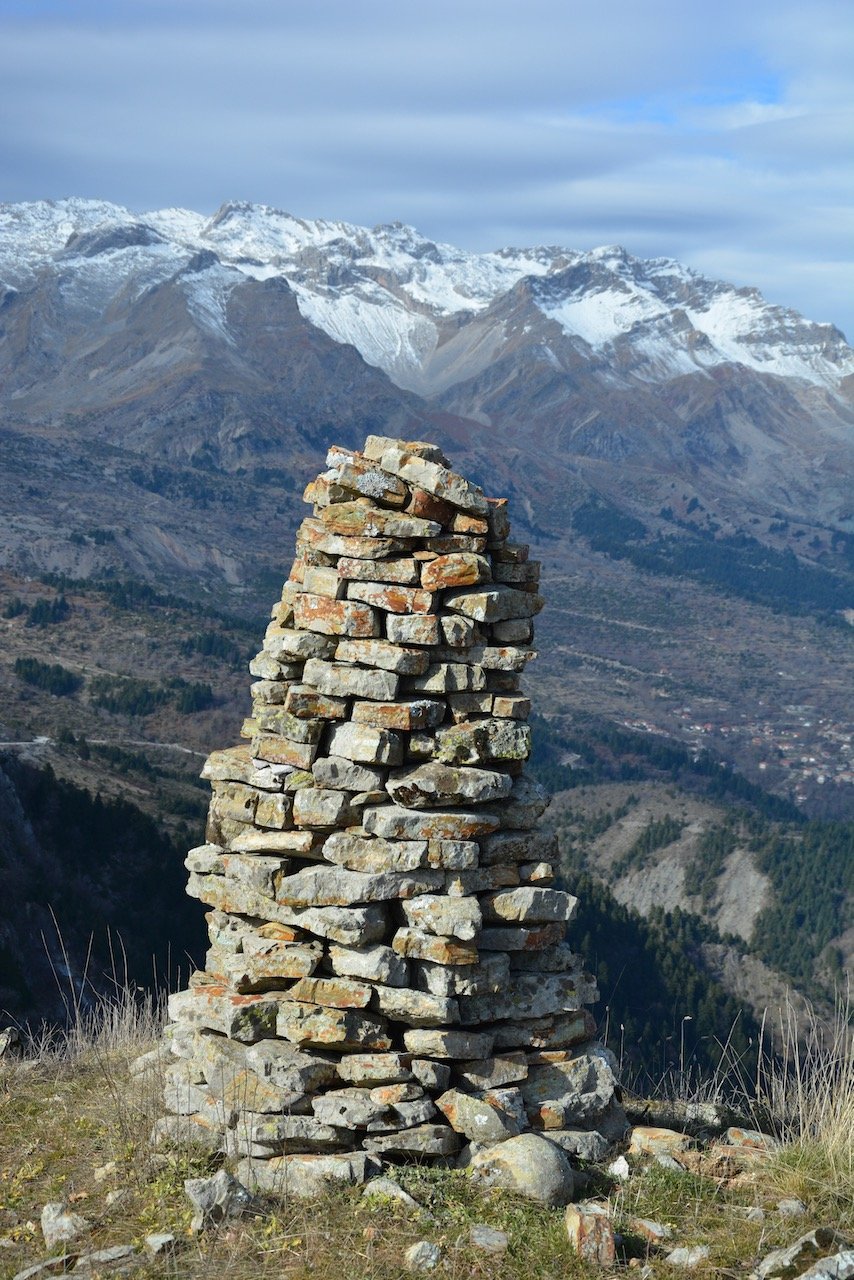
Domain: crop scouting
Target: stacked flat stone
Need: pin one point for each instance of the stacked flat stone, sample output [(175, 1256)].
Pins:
[(388, 975)]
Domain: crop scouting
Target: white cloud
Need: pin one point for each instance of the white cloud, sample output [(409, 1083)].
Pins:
[(716, 133)]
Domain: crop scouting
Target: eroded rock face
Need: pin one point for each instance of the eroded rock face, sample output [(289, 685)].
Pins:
[(388, 975)]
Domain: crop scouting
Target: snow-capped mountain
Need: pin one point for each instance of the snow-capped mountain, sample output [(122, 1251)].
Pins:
[(253, 337), (403, 301)]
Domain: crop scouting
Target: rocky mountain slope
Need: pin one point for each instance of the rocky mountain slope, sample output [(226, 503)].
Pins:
[(201, 338)]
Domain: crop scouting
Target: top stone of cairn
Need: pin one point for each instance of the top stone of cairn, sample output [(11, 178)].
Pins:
[(388, 974)]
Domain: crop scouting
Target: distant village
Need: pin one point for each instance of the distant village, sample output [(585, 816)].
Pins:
[(798, 743)]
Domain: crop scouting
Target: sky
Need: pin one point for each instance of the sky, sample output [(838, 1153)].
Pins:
[(718, 132)]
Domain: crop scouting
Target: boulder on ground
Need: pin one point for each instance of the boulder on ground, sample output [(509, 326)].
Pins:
[(530, 1165)]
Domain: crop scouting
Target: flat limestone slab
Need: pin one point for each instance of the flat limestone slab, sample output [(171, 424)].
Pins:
[(417, 629), (358, 853), (322, 807), (383, 654), (366, 745), (345, 775), (420, 713), (462, 569), (392, 598), (448, 1044), (244, 1018), (313, 534), (490, 973), (419, 945), (435, 785), (351, 925), (377, 963), (334, 993), (475, 741), (447, 917), (423, 1140), (493, 604), (287, 642), (527, 905), (335, 617), (327, 886), (265, 970), (530, 995), (306, 1176), (416, 1008), (360, 519), (403, 571), (341, 1029), (344, 681), (376, 1068), (432, 477), (394, 822), (310, 704)]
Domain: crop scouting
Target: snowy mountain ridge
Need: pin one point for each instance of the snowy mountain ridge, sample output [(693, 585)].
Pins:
[(428, 314)]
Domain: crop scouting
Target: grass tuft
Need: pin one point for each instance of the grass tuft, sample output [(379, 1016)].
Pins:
[(808, 1089)]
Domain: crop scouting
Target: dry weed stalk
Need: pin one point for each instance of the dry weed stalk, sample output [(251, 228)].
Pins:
[(808, 1090)]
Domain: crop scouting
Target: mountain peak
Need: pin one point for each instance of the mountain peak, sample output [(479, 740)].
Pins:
[(407, 302)]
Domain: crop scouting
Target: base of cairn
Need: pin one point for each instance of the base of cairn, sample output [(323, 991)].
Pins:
[(388, 975)]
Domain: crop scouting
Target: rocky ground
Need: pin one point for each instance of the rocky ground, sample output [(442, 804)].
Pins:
[(82, 1190)]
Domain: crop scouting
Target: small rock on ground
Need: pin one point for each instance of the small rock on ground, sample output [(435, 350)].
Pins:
[(791, 1208), (529, 1165), (649, 1230), (488, 1238), (216, 1199), (117, 1260), (839, 1267), (59, 1226), (388, 1189), (648, 1140), (50, 1267), (591, 1233), (422, 1256), (161, 1244), (781, 1264), (753, 1139), (688, 1256)]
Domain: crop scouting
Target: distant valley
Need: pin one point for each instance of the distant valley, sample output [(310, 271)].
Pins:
[(678, 451)]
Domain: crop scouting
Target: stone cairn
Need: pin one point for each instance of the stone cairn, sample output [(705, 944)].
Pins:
[(387, 976)]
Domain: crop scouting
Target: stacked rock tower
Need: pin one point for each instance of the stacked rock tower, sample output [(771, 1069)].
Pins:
[(388, 975)]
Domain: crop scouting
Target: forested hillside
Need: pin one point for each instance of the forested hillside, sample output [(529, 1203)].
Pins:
[(93, 894), (657, 843)]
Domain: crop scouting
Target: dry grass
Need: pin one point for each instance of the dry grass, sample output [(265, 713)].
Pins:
[(74, 1126), (810, 1095)]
